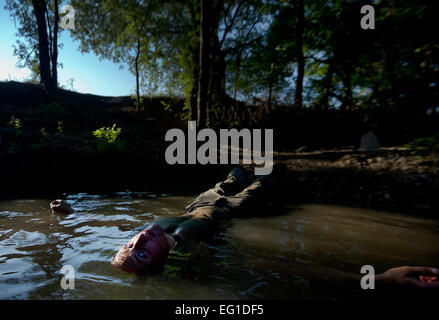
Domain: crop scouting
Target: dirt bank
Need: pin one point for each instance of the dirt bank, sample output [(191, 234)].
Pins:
[(389, 179), (51, 149)]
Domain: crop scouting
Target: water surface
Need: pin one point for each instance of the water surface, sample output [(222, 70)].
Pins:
[(301, 254)]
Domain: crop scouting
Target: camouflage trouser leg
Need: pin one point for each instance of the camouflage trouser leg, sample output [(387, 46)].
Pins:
[(236, 181), (245, 203)]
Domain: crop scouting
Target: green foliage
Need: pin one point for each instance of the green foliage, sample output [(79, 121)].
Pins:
[(50, 141), (15, 124), (424, 146), (26, 48), (166, 105), (176, 110), (59, 128), (109, 139), (253, 49), (44, 133), (107, 134), (141, 100)]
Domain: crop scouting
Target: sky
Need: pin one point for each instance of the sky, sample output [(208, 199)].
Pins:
[(89, 74)]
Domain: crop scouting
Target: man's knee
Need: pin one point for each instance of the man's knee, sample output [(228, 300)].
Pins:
[(240, 175)]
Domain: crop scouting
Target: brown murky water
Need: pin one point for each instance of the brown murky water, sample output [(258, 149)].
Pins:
[(301, 254)]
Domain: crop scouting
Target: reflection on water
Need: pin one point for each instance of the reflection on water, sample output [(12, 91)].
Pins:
[(299, 254)]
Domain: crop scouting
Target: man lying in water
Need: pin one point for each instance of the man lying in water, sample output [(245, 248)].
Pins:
[(234, 197), (237, 196)]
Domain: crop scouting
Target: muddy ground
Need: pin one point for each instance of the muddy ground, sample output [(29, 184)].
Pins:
[(389, 179)]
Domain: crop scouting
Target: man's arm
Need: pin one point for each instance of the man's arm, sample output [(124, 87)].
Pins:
[(409, 277), (400, 277), (200, 224)]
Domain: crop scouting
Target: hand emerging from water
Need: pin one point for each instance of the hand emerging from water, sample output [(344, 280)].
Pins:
[(410, 277)]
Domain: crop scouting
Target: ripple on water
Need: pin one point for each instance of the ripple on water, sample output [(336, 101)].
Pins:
[(83, 196), (122, 209), (135, 194), (89, 205), (12, 214), (19, 277), (252, 258), (24, 238), (81, 218)]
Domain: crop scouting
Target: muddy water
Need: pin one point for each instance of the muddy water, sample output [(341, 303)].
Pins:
[(305, 253)]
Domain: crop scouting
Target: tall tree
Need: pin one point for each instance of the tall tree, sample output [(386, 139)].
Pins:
[(132, 33), (203, 79), (54, 45), (38, 26), (43, 44), (261, 65), (300, 12)]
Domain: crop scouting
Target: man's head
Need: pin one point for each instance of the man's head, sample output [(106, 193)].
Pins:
[(146, 252), (61, 206)]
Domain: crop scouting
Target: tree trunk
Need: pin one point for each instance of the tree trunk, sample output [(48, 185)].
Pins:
[(203, 79), (390, 73), (217, 82), (347, 87), (194, 89), (54, 54), (217, 76), (43, 44), (195, 55), (324, 102), (270, 86), (376, 89), (136, 62), (299, 53), (238, 69)]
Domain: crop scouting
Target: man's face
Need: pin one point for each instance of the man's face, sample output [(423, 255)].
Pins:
[(144, 251)]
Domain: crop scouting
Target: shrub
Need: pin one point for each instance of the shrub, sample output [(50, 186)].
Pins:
[(176, 110), (44, 133), (108, 139), (424, 146), (141, 100), (15, 124), (59, 128)]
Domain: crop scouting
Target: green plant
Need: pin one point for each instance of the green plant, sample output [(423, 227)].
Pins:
[(424, 146), (59, 128), (167, 106), (44, 142), (15, 123), (134, 98), (107, 134), (44, 132), (173, 109), (108, 139), (51, 140)]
